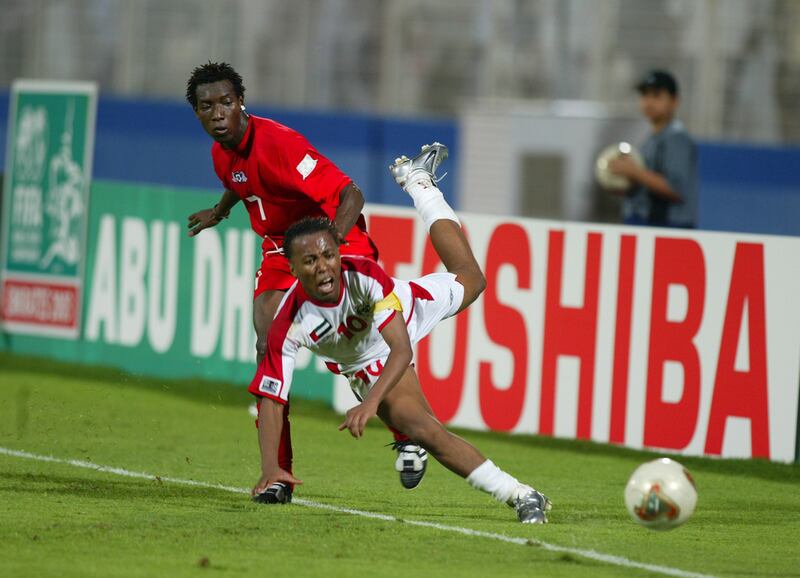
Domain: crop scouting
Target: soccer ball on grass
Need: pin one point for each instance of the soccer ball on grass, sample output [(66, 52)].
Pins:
[(661, 494)]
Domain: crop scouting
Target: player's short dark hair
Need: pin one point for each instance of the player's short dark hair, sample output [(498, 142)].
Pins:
[(307, 226), (212, 72)]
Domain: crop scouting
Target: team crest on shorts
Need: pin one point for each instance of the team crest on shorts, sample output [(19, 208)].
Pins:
[(239, 177), (269, 385)]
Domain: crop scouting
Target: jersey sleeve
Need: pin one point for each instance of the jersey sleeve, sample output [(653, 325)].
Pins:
[(302, 168), (273, 377), (373, 278)]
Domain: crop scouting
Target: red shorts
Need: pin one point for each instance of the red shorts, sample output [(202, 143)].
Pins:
[(274, 273)]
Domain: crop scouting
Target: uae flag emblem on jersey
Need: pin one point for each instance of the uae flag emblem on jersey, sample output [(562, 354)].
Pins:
[(321, 330)]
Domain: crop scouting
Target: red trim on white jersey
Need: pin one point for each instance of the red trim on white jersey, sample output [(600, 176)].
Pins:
[(272, 366), (419, 292), (385, 323), (369, 268)]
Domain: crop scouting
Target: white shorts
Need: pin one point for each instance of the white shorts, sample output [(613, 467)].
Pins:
[(440, 298), (447, 293)]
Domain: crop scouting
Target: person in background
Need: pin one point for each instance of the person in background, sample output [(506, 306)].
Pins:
[(663, 192)]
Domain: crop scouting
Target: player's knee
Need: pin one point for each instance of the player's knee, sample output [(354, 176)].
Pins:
[(474, 283), (480, 283), (261, 324), (261, 348)]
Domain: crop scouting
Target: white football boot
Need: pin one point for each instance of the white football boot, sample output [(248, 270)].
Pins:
[(412, 461), (426, 162)]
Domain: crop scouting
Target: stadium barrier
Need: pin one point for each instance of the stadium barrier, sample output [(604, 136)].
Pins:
[(743, 187), (159, 303), (678, 340), (178, 152)]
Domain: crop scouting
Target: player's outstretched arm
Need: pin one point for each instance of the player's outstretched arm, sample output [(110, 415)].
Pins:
[(396, 336), (213, 216), (351, 202), (270, 425)]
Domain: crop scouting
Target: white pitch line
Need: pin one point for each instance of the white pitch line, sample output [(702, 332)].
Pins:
[(590, 554)]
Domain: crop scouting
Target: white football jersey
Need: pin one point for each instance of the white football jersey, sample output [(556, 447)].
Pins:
[(345, 334)]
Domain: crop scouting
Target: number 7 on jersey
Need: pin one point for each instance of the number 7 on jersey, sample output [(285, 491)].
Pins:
[(257, 200)]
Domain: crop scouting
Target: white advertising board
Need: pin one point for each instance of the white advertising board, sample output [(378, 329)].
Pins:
[(674, 340)]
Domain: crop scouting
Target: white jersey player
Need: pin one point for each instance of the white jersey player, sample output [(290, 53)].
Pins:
[(363, 324), (346, 333)]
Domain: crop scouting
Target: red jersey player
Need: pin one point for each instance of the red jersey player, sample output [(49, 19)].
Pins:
[(362, 322), (281, 178)]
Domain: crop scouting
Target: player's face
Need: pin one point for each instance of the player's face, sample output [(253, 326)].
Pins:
[(220, 112), (658, 105), (318, 266)]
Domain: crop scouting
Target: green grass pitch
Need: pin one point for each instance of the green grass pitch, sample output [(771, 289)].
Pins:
[(60, 520)]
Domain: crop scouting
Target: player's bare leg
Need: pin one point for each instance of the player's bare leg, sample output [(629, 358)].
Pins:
[(412, 458), (406, 408), (418, 178), (453, 249), (264, 308)]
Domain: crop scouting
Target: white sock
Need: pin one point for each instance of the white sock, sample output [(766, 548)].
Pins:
[(429, 201), (492, 480)]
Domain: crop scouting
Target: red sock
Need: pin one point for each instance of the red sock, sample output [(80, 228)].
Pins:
[(398, 435), (285, 446)]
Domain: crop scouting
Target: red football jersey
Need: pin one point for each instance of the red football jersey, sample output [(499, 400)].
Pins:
[(282, 178)]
